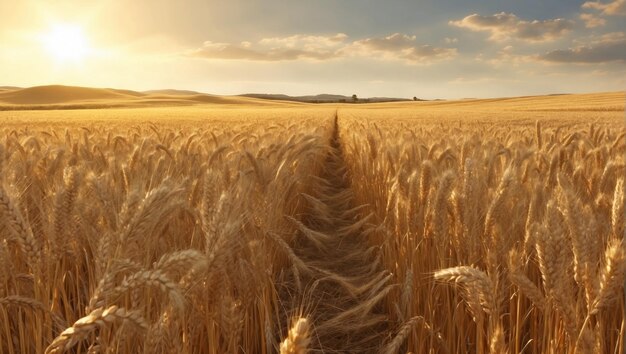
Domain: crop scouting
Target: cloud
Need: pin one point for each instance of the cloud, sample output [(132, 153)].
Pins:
[(306, 41), (503, 26), (400, 46), (244, 51), (427, 53), (606, 49), (394, 42), (595, 39), (395, 46), (275, 49), (505, 57), (592, 21), (609, 47), (478, 80), (616, 7)]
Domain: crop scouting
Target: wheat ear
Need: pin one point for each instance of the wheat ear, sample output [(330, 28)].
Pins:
[(611, 276), (297, 341), (101, 318), (525, 285), (479, 289), (394, 346)]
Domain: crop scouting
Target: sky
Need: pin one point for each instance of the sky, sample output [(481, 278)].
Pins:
[(394, 48)]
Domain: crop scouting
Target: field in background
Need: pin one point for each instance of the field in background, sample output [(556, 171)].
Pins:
[(461, 226)]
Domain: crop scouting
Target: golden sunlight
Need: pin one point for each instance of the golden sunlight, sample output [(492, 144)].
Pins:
[(66, 43), (292, 177)]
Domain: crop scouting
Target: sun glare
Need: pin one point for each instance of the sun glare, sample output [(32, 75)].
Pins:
[(66, 43)]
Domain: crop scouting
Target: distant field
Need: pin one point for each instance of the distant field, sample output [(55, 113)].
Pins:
[(68, 97), (187, 223)]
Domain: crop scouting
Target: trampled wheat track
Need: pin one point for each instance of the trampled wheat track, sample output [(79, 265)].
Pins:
[(345, 283)]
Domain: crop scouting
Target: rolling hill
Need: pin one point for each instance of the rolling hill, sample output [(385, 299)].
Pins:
[(72, 97), (55, 94), (322, 98)]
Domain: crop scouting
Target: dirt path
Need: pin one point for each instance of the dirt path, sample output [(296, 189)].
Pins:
[(345, 284)]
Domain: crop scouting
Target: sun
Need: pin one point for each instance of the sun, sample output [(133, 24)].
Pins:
[(66, 43)]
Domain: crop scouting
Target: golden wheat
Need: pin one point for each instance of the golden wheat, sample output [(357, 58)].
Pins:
[(536, 204), (310, 230)]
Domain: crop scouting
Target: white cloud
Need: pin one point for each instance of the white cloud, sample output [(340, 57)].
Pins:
[(608, 37), (610, 47), (478, 80), (395, 46), (615, 7), (275, 49), (592, 20), (246, 52), (505, 57), (306, 41), (394, 42), (503, 26), (400, 46), (427, 53), (606, 48)]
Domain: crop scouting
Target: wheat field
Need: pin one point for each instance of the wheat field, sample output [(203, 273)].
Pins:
[(491, 226)]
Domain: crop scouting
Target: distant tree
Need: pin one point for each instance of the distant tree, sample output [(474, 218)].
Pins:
[(414, 98), (354, 98)]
